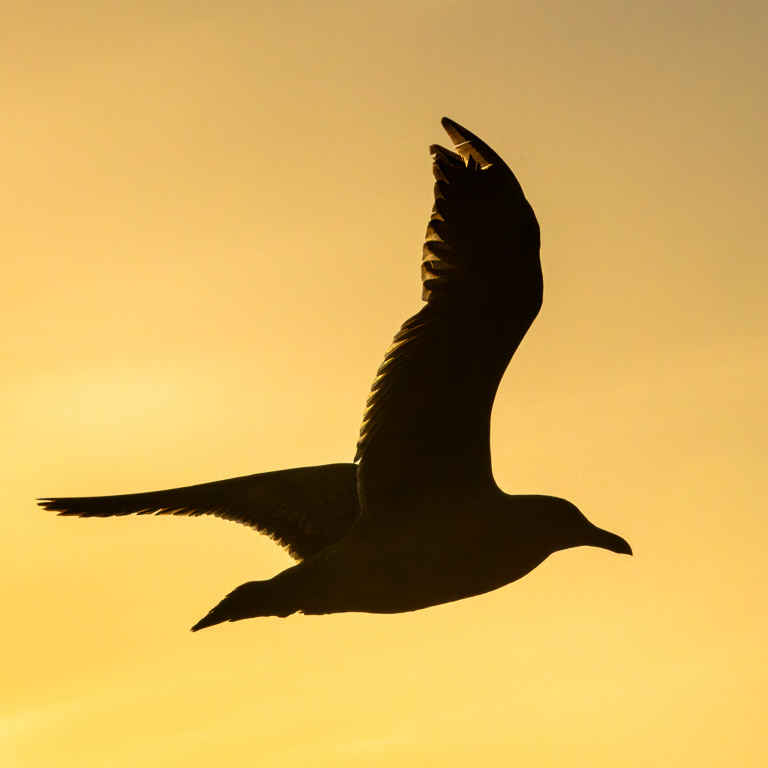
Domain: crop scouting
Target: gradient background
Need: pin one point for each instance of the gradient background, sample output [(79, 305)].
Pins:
[(212, 219)]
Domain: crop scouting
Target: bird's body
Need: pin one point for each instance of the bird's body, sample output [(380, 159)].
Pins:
[(420, 521), (390, 567)]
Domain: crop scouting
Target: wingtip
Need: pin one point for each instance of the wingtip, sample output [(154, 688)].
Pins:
[(451, 125), (468, 145), (459, 135), (52, 505)]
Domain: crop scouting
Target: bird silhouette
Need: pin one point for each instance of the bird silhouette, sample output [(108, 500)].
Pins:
[(419, 521)]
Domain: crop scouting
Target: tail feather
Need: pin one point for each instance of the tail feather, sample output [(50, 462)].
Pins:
[(254, 598)]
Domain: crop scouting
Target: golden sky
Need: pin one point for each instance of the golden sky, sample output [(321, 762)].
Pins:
[(211, 228)]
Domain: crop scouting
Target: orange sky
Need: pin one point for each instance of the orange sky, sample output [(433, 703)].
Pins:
[(212, 219)]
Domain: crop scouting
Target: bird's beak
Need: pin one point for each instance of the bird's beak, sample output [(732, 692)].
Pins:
[(610, 541)]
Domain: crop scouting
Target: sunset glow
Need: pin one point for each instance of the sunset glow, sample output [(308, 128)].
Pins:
[(213, 216)]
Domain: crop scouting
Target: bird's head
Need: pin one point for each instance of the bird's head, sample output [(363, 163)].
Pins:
[(568, 527)]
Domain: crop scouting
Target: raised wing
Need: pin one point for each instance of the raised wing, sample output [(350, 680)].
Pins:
[(305, 510), (426, 429)]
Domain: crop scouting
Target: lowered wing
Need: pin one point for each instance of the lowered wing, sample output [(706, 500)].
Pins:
[(305, 510), (426, 428)]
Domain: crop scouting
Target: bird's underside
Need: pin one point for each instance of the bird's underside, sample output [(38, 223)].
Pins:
[(419, 521)]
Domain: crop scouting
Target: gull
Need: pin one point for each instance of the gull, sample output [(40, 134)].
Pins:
[(417, 519)]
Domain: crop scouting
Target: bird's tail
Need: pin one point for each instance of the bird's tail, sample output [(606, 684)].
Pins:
[(254, 598)]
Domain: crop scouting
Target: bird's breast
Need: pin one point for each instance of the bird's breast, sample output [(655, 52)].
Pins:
[(419, 563)]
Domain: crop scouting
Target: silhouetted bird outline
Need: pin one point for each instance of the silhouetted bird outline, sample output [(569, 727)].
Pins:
[(420, 520)]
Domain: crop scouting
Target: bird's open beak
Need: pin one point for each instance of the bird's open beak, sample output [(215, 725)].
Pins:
[(610, 541)]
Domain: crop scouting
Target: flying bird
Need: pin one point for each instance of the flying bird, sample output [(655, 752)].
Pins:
[(417, 520)]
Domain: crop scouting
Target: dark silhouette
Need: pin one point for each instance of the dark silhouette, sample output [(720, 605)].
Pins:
[(420, 521)]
